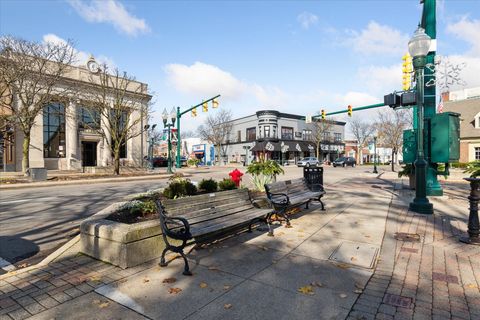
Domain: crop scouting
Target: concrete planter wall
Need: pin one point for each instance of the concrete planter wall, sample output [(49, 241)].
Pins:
[(123, 245)]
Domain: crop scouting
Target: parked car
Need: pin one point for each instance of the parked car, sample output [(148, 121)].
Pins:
[(160, 162), (308, 162), (345, 161)]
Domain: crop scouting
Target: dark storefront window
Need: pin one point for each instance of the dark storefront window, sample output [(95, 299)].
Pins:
[(287, 133), (251, 134), (54, 131), (88, 118)]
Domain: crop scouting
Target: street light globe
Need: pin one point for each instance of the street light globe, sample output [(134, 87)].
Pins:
[(165, 116), (419, 45)]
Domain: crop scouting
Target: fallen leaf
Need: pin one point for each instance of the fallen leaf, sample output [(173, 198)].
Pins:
[(226, 287), (213, 268), (263, 248), (359, 286), (23, 265), (343, 295), (358, 291), (316, 284), (472, 286), (343, 265), (227, 306), (203, 285), (306, 290), (145, 280), (353, 259), (174, 290), (169, 280), (367, 236), (104, 304), (95, 278)]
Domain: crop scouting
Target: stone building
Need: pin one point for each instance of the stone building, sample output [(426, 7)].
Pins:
[(467, 104), (286, 138), (63, 138)]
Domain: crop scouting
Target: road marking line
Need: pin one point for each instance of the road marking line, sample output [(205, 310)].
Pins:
[(5, 265)]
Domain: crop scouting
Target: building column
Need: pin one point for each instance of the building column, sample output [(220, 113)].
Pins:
[(106, 154), (71, 136)]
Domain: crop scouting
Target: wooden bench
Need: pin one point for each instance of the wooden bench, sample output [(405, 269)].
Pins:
[(203, 218), (284, 195)]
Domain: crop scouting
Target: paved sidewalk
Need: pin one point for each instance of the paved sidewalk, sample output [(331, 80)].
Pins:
[(345, 262)]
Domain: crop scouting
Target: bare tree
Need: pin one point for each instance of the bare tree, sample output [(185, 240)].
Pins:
[(189, 134), (31, 76), (217, 129), (362, 131), (390, 126), (117, 105), (319, 129)]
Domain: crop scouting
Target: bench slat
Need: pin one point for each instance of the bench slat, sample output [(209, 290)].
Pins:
[(204, 208), (193, 200)]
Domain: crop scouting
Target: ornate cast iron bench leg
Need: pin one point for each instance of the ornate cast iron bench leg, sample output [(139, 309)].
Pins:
[(176, 249)]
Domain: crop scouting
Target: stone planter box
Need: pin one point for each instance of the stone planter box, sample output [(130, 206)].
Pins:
[(123, 245)]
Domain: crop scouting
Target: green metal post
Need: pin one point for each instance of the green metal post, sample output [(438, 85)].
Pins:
[(375, 155), (429, 24), (169, 169), (420, 204), (179, 141)]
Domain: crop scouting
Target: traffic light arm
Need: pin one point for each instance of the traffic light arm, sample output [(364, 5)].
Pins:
[(371, 106), (198, 105)]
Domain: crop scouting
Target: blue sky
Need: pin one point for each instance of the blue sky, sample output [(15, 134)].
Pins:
[(293, 56)]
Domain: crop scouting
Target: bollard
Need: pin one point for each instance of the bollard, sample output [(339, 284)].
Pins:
[(473, 223)]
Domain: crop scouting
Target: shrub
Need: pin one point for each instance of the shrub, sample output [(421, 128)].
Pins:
[(180, 188), (460, 165), (209, 185), (264, 172), (407, 170), (227, 184), (140, 208), (474, 169), (193, 162)]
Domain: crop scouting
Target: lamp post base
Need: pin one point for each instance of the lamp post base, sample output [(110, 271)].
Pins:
[(421, 205), (470, 240)]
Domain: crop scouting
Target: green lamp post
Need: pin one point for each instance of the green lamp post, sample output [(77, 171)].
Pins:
[(375, 155), (169, 126), (418, 47)]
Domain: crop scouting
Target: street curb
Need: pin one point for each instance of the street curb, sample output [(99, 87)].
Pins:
[(48, 259), (82, 181)]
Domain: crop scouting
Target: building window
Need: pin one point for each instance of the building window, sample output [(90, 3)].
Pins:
[(54, 131), (477, 153), (266, 131), (307, 135), (251, 134), (337, 136), (326, 136), (239, 136), (88, 118), (274, 135), (287, 133)]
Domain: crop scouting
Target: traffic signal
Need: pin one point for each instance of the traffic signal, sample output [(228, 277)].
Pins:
[(214, 103), (194, 112), (324, 115), (205, 107), (406, 71), (349, 111)]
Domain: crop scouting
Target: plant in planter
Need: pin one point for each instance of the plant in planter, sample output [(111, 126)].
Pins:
[(408, 170), (227, 184), (180, 188), (193, 162), (474, 169), (208, 185), (263, 173)]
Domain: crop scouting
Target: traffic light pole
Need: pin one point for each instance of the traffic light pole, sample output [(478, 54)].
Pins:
[(371, 106), (179, 116)]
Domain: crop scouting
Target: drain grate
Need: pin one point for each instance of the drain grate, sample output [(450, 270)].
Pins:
[(397, 301), (409, 237)]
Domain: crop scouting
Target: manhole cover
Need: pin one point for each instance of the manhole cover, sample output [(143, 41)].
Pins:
[(397, 301), (358, 254), (410, 237)]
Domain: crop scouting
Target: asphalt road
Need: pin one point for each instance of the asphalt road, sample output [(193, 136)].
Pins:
[(36, 221)]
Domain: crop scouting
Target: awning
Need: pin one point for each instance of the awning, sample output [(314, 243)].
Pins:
[(284, 146)]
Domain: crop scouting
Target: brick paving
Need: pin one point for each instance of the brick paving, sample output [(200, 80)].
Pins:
[(435, 277), (23, 294)]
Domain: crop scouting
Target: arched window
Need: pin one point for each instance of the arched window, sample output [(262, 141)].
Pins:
[(54, 130)]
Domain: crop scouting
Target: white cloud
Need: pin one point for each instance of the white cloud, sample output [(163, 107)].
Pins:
[(307, 19), (468, 31), (208, 80), (355, 99), (110, 11), (381, 79), (377, 39), (81, 56)]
